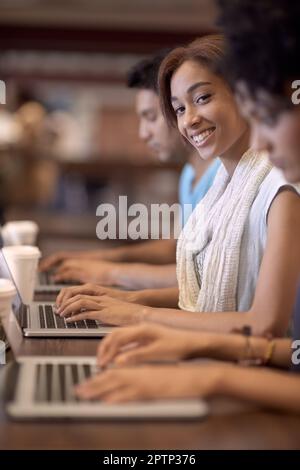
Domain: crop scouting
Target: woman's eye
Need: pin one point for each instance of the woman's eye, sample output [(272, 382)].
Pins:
[(203, 98), (179, 110)]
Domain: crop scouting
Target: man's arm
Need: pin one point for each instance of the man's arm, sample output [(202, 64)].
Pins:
[(125, 275), (144, 276), (152, 252)]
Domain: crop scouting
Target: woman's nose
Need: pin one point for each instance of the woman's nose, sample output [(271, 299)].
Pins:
[(191, 117)]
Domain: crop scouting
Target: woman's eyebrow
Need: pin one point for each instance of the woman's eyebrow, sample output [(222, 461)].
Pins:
[(192, 88)]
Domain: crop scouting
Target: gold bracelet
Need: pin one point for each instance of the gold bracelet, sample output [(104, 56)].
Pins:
[(269, 352), (247, 358)]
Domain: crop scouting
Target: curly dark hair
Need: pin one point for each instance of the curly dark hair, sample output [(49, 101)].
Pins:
[(263, 38), (144, 74)]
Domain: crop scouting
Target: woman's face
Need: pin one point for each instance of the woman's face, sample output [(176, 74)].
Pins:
[(207, 114), (273, 129)]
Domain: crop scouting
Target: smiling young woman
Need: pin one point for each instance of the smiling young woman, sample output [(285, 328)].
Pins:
[(238, 255), (250, 21)]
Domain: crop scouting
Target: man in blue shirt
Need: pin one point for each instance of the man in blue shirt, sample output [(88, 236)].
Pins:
[(166, 143)]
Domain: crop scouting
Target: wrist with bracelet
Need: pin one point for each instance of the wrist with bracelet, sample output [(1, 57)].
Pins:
[(249, 357)]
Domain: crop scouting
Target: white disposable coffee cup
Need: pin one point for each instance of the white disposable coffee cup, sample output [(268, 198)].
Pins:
[(7, 293), (20, 232), (23, 261)]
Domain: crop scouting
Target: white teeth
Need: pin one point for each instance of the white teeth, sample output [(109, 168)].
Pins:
[(201, 137)]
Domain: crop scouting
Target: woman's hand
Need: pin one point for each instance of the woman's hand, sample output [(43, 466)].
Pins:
[(94, 290), (147, 342), (103, 308), (153, 382)]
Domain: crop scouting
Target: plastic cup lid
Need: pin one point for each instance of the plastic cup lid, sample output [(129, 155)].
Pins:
[(22, 251), (26, 225)]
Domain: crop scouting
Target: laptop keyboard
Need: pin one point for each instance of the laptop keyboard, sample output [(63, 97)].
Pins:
[(48, 319), (55, 382), (46, 279)]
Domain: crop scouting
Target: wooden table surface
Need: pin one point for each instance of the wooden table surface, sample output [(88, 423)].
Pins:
[(231, 425)]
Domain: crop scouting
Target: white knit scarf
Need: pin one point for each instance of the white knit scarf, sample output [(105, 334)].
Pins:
[(214, 233)]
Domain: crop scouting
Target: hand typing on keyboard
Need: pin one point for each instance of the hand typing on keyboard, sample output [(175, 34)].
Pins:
[(104, 309), (49, 318)]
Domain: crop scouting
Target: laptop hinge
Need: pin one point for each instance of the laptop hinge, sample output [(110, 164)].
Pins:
[(23, 312)]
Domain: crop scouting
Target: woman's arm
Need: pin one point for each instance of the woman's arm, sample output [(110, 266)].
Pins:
[(276, 287), (274, 297), (264, 387), (146, 343)]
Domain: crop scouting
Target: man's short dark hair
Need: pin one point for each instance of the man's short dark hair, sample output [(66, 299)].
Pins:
[(144, 74), (263, 43)]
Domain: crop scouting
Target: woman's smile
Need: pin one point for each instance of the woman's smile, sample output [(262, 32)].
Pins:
[(201, 138)]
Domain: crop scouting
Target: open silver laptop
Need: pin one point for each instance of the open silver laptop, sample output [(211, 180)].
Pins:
[(39, 319), (42, 387), (46, 285)]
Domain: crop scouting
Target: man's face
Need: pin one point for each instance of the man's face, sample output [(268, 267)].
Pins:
[(153, 129), (274, 129)]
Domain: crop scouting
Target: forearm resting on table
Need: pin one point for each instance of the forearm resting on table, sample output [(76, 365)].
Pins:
[(265, 387), (167, 297), (141, 276), (153, 252), (220, 322)]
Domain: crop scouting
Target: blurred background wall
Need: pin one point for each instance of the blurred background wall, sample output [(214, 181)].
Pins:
[(68, 132)]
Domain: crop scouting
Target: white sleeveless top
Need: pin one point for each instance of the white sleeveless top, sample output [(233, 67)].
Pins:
[(255, 236)]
